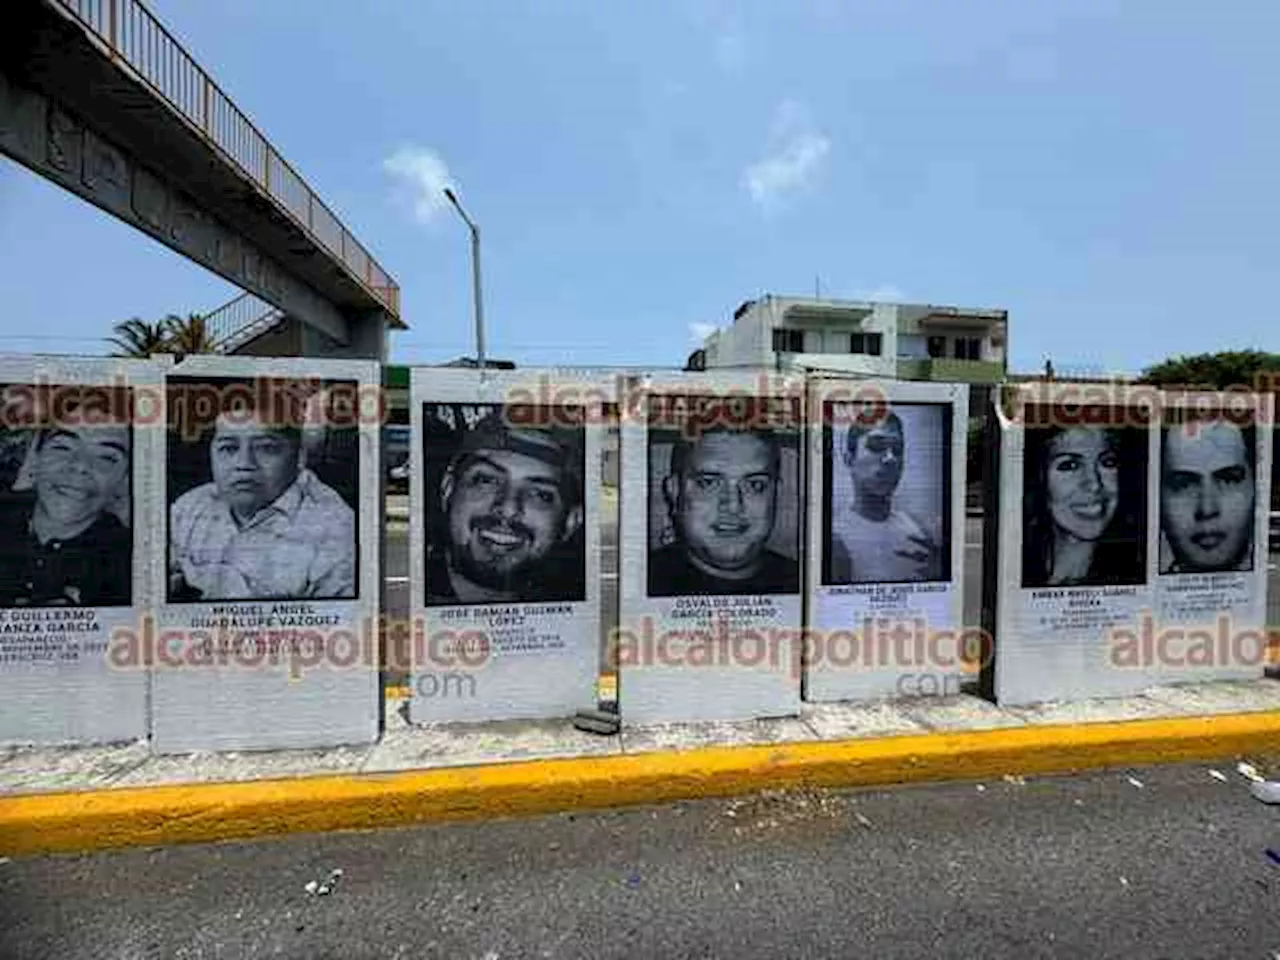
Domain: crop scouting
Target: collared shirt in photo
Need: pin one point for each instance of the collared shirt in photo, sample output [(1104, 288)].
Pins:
[(300, 546)]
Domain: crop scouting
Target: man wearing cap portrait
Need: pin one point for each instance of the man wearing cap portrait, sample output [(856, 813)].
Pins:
[(265, 526), (510, 511)]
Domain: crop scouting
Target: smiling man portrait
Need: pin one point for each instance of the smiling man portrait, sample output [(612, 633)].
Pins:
[(65, 542), (505, 519), (721, 493)]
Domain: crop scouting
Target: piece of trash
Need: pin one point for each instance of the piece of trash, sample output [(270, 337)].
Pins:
[(1268, 791), (1249, 771), (1273, 856), (862, 820), (1015, 779), (3, 861), (1134, 781), (1124, 881), (633, 880), (323, 888), (1218, 775), (1078, 803), (737, 885), (604, 722), (981, 789)]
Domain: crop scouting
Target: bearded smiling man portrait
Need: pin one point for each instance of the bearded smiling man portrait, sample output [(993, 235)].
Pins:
[(508, 516)]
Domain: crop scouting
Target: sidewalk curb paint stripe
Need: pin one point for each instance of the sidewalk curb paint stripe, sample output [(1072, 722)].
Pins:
[(148, 816)]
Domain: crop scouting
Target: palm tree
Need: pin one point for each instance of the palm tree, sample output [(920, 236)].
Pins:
[(188, 336), (137, 338)]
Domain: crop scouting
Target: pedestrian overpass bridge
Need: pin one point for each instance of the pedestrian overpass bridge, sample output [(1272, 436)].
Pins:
[(97, 96)]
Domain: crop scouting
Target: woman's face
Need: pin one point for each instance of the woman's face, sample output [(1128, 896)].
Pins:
[(1083, 481)]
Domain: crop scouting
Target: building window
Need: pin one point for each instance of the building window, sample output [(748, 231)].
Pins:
[(968, 348), (870, 344), (788, 341), (937, 347)]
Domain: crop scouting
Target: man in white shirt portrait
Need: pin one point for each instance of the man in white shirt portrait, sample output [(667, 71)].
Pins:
[(872, 541), (265, 526)]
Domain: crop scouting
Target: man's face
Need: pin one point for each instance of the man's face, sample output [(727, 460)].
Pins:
[(252, 465), (726, 500), (506, 511), (1207, 495), (79, 471), (876, 461)]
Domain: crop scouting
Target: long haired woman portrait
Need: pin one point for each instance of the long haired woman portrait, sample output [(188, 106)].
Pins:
[(1084, 506)]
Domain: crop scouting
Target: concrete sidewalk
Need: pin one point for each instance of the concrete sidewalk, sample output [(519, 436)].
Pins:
[(87, 798)]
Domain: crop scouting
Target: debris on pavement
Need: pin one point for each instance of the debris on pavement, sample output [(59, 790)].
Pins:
[(633, 880), (1134, 781), (1015, 779), (1218, 775), (1124, 881), (863, 821), (1249, 771), (1268, 791), (323, 889), (981, 788), (604, 722), (1273, 856)]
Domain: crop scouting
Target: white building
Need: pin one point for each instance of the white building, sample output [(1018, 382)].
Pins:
[(893, 340)]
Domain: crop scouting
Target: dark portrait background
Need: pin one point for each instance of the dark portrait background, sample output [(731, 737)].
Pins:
[(1178, 417), (27, 409), (444, 427), (1120, 555), (924, 492), (781, 419), (330, 436), (333, 452)]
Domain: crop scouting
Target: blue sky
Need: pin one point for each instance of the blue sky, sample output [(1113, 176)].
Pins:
[(1104, 170)]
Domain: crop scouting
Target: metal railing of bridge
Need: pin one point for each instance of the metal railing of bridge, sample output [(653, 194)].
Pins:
[(231, 320), (135, 36)]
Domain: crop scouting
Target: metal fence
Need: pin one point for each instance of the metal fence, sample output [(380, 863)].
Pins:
[(137, 40)]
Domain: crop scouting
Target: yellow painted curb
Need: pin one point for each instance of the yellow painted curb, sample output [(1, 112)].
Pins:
[(144, 816)]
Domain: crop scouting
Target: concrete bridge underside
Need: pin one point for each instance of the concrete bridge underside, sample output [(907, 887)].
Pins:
[(96, 96)]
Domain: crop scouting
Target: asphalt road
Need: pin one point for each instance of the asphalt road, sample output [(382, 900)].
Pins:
[(1090, 867)]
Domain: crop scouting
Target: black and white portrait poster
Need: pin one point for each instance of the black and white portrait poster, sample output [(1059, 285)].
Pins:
[(269, 549), (1214, 495), (504, 481), (887, 469), (72, 538), (711, 493), (1076, 523)]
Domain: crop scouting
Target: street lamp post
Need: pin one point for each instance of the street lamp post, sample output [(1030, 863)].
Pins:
[(477, 302)]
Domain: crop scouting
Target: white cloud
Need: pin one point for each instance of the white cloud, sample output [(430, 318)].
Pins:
[(421, 176), (797, 152), (698, 332)]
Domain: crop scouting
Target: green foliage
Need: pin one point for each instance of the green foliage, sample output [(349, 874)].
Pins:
[(188, 336), (1214, 370), (137, 338), (173, 334)]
